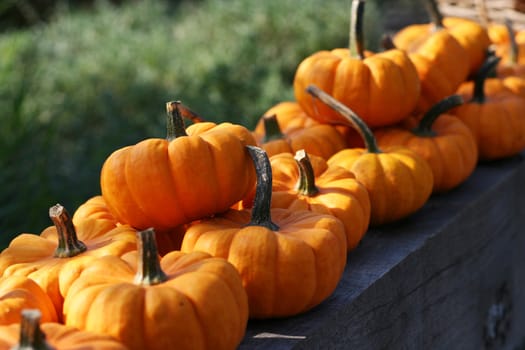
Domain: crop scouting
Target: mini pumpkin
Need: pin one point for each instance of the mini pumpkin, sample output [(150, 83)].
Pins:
[(289, 260), (322, 140), (307, 182), (291, 117), (435, 57), (383, 88), (30, 333), (18, 293), (41, 257), (180, 301), (442, 139), (494, 114), (472, 36), (398, 180), (165, 183)]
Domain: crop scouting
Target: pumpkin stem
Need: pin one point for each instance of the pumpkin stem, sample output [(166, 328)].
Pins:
[(149, 271), (261, 213), (357, 39), (387, 42), (31, 335), (514, 49), (174, 122), (272, 130), (306, 183), (424, 128), (68, 243), (434, 13), (483, 73), (189, 114), (350, 116)]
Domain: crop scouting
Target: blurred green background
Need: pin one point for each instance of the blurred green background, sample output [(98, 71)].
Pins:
[(80, 79)]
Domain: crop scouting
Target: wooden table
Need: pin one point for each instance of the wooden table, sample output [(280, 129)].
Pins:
[(452, 276)]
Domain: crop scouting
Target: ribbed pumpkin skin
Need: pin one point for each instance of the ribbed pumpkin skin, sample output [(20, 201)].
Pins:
[(439, 69), (340, 194), (322, 140), (62, 338), (399, 182), (498, 124), (284, 272), (33, 255), (96, 208), (452, 153), (470, 35), (383, 88), (163, 184), (201, 305), (18, 293)]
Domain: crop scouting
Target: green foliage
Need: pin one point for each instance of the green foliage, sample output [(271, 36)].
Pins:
[(78, 88)]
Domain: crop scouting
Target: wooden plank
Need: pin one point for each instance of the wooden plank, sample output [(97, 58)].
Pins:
[(449, 277)]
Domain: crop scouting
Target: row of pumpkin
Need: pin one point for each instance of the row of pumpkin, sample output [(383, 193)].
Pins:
[(197, 233)]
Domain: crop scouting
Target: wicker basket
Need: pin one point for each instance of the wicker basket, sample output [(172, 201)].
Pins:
[(486, 10)]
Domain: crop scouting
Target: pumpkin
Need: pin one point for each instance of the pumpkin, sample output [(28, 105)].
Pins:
[(291, 117), (383, 88), (289, 260), (322, 140), (18, 293), (398, 180), (31, 334), (307, 182), (96, 208), (472, 36), (180, 301), (41, 257), (495, 115), (440, 72), (510, 64), (442, 139), (165, 183)]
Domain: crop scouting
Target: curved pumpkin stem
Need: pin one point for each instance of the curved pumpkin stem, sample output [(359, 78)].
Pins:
[(31, 336), (483, 73), (149, 271), (514, 48), (351, 117), (272, 130), (261, 213), (357, 39), (189, 114), (68, 243), (424, 128), (306, 183), (174, 122), (434, 13)]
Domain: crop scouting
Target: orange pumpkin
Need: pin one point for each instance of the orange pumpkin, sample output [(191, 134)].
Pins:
[(291, 117), (510, 64), (164, 183), (181, 301), (96, 208), (18, 293), (41, 257), (399, 182), (289, 260), (307, 182), (471, 35), (495, 115), (383, 88), (435, 57), (443, 140), (322, 140), (30, 334)]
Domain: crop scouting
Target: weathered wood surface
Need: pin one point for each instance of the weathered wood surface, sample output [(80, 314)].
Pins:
[(452, 276)]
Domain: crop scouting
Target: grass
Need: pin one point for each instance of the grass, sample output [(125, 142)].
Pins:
[(74, 90)]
